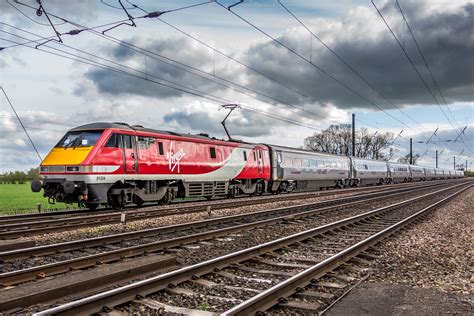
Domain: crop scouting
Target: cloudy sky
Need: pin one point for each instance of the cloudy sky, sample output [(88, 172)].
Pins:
[(174, 71)]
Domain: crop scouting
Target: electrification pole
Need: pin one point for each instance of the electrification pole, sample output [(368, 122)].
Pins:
[(411, 151), (454, 162), (353, 135), (436, 158)]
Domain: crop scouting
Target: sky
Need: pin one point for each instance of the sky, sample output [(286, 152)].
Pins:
[(290, 79)]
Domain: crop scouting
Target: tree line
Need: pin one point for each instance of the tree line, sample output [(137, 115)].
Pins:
[(19, 177), (338, 140)]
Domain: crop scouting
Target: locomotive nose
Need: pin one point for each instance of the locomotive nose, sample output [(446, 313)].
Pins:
[(36, 186)]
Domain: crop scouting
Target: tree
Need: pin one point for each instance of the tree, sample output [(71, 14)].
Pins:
[(338, 140), (20, 177), (406, 158)]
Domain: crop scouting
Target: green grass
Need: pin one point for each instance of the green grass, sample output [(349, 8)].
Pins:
[(18, 199)]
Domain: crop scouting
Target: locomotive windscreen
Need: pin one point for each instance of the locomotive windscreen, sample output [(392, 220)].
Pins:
[(79, 139)]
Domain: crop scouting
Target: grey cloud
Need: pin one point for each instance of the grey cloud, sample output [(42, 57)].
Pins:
[(446, 39), (239, 124), (180, 49)]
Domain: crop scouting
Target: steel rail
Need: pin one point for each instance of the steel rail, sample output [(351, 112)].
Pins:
[(41, 227), (98, 241), (114, 297), (51, 215), (19, 276), (271, 296)]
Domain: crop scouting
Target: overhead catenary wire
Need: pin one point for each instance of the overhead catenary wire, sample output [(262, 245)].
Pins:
[(411, 62), (424, 59), (127, 1), (197, 92), (323, 71), (435, 82), (214, 99), (120, 42), (344, 62), (21, 123), (47, 122), (150, 54)]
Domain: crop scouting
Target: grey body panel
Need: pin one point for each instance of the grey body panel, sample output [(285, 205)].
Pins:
[(369, 171), (290, 164), (417, 173), (398, 172)]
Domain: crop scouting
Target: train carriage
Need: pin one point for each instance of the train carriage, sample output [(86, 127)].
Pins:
[(439, 174), (306, 170), (398, 172), (368, 172), (430, 173), (417, 173)]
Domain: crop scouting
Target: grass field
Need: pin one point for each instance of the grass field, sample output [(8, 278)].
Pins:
[(18, 198)]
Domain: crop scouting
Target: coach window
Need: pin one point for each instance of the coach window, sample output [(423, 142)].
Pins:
[(254, 156), (212, 151), (113, 141), (160, 148), (279, 157), (145, 143), (127, 141), (297, 162), (306, 163), (288, 162), (245, 155)]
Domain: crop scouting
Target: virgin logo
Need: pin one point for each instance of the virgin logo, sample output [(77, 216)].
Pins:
[(174, 158)]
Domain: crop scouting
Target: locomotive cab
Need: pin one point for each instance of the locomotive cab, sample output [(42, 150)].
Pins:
[(64, 167)]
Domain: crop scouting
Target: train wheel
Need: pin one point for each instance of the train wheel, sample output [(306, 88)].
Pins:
[(91, 206), (117, 201)]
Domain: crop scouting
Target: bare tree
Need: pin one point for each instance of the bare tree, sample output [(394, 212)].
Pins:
[(337, 140)]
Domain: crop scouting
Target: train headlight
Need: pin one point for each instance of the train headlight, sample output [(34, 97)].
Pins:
[(72, 168), (44, 169)]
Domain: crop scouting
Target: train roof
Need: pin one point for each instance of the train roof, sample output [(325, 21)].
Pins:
[(125, 126), (303, 151)]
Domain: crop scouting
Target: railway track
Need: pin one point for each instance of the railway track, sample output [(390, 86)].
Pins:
[(22, 226), (208, 233), (283, 274), (55, 214), (87, 252)]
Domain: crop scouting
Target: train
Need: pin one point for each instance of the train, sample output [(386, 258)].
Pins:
[(117, 165)]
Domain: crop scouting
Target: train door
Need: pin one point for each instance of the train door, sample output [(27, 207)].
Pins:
[(260, 161), (129, 153)]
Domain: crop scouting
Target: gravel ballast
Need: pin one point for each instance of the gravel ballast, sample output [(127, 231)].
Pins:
[(436, 253)]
